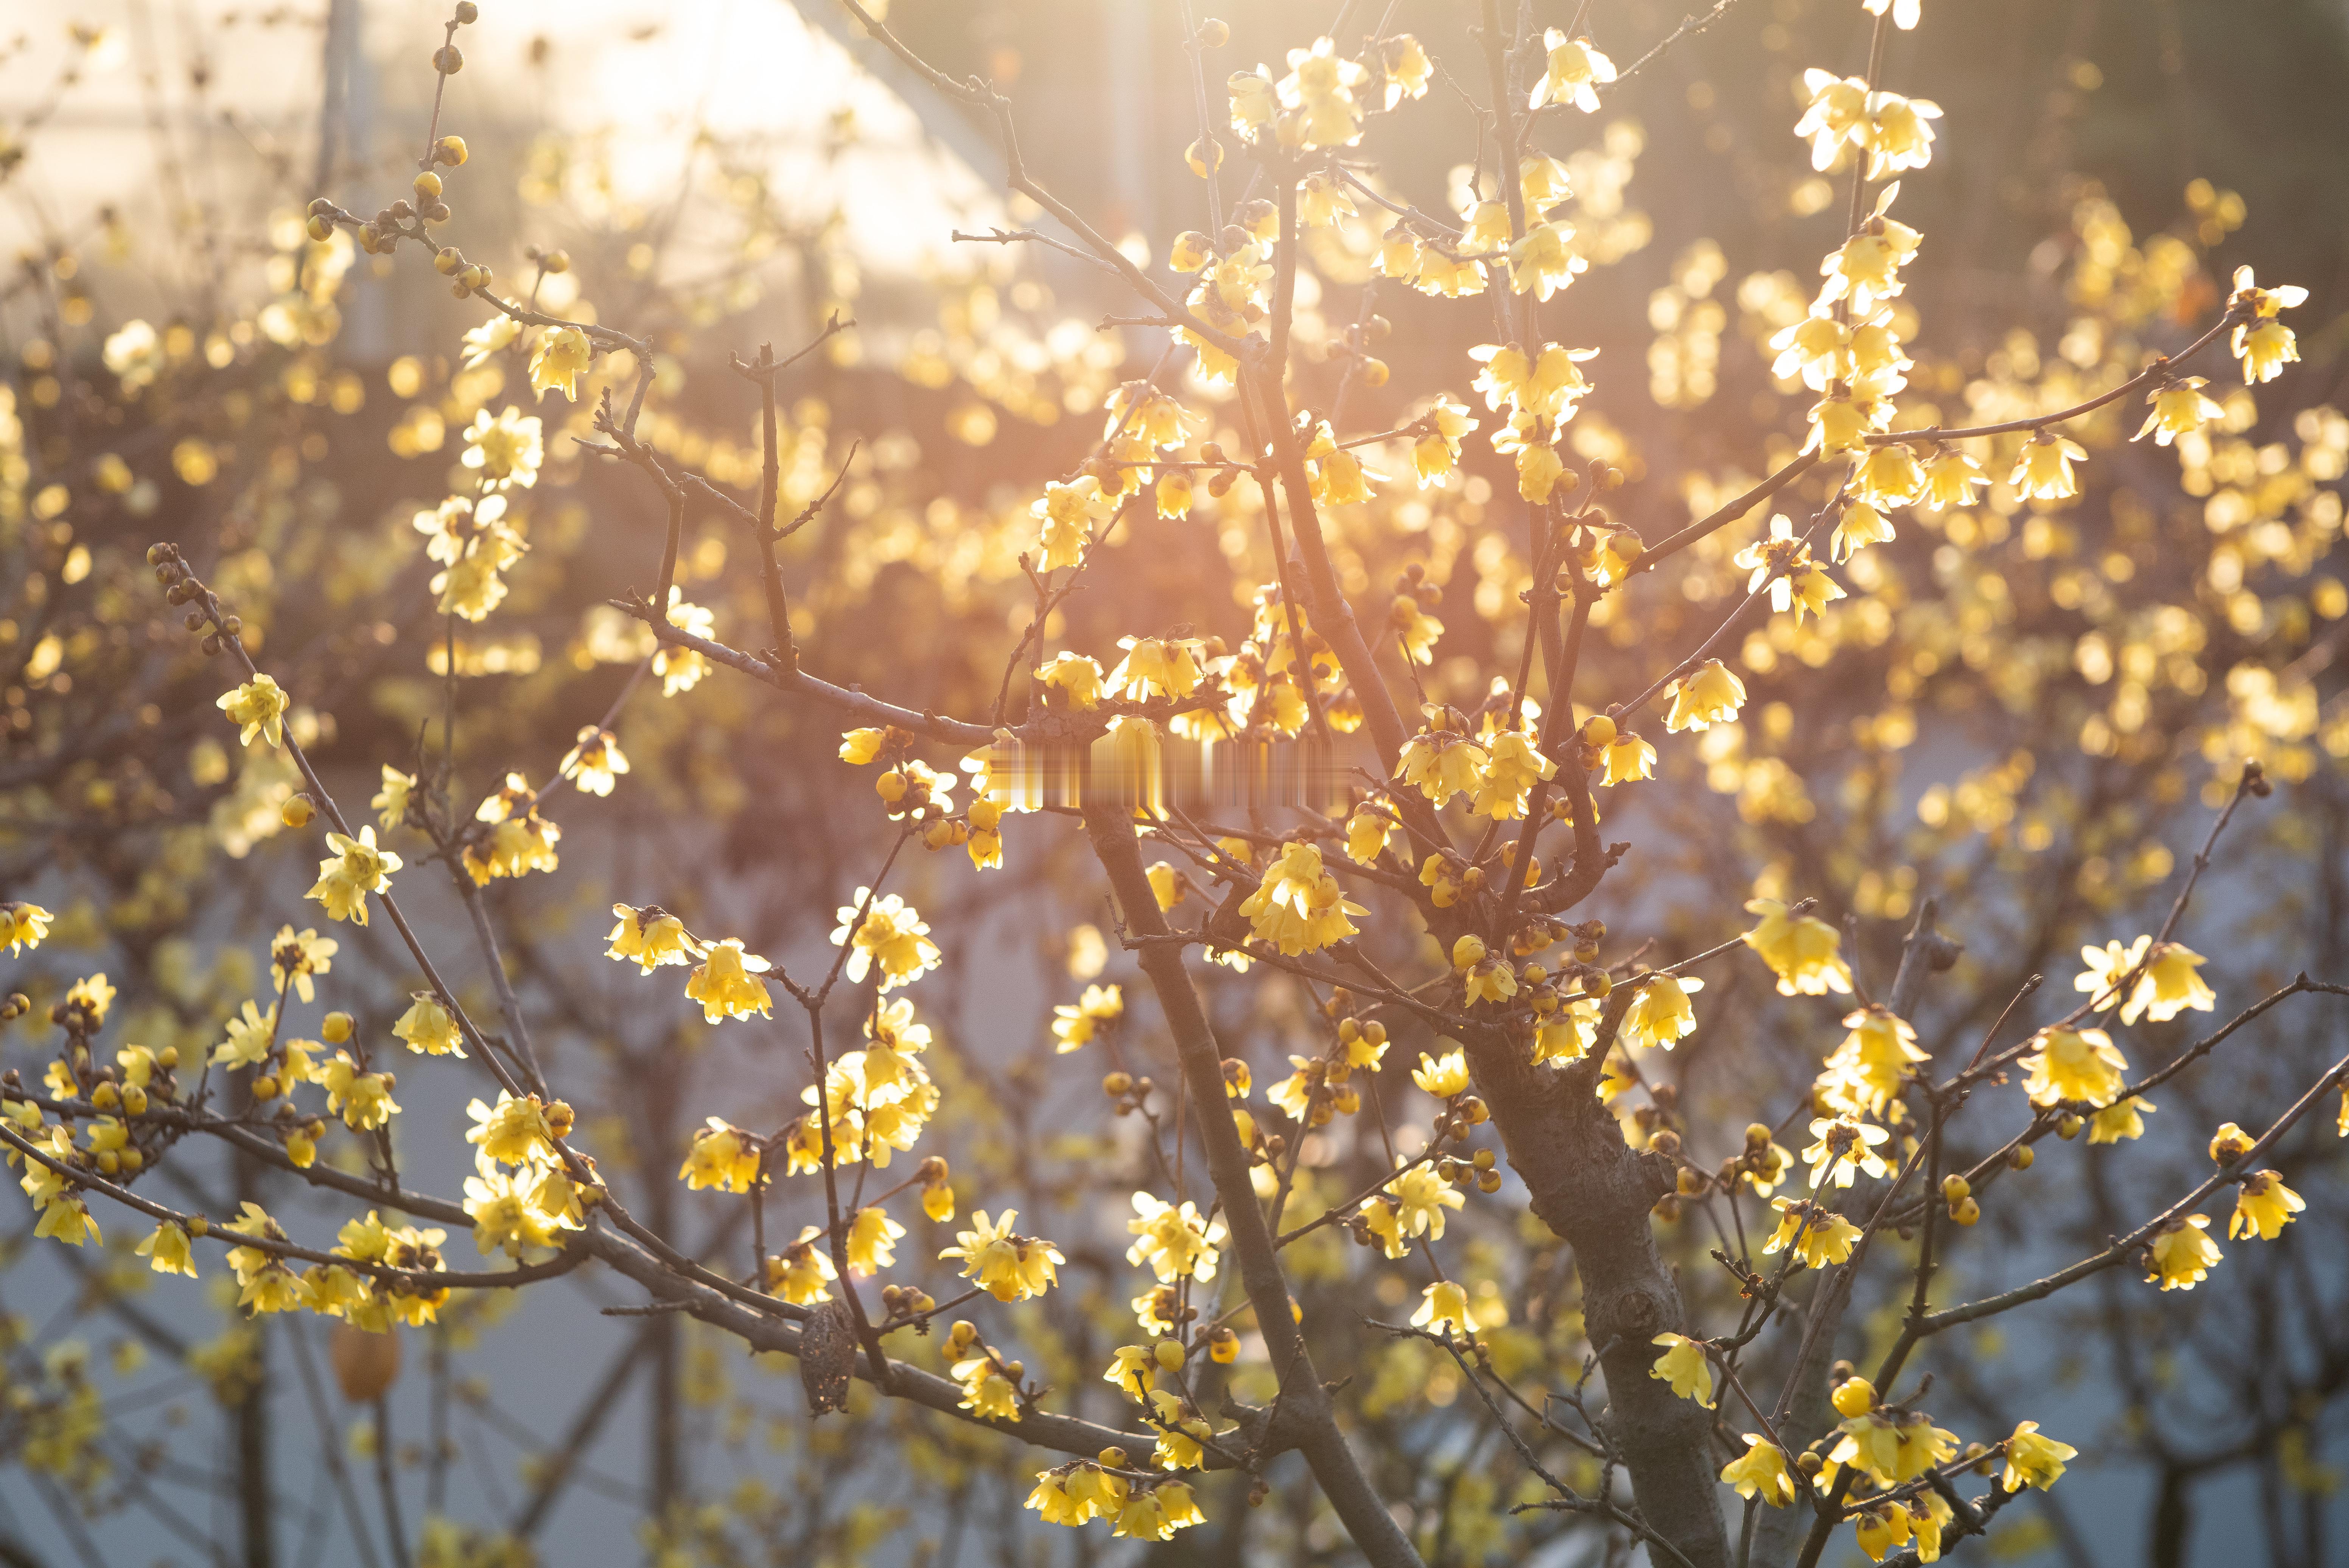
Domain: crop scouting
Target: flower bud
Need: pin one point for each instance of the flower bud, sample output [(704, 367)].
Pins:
[(448, 59), (428, 187), (297, 812), (1853, 1396), (449, 149), (1215, 33), (1168, 1354), (2021, 1158)]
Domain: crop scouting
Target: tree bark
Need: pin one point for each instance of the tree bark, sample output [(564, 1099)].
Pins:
[(1305, 1414)]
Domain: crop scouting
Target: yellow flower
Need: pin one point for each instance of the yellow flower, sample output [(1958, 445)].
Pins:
[(1708, 695), (1682, 1364), (1951, 480), (1076, 678), (428, 1028), (356, 869), (2263, 1207), (1512, 768), (2263, 344), (1896, 134), (2182, 1254), (2043, 469), (168, 1248), (2079, 1066), (390, 803), (362, 1099), (1066, 514), (248, 1037), (1299, 906), (652, 936), (1445, 1310), (1133, 1371), (1861, 526), (722, 1156), (891, 934), (1574, 73), (1867, 269), (484, 341), (1844, 1148), (2179, 408), (1178, 1243), (2121, 1121), (1881, 1528), (23, 925), (1867, 1072), (1819, 1235), (559, 360), (1154, 667), (1761, 1472), (503, 1218), (1544, 261), (260, 705), (1368, 833), (801, 1271), (1007, 1266), (872, 1236), (507, 449), (1415, 1206), (2034, 1460), (1073, 1025), (1414, 628), (1317, 99), (681, 668), (1253, 101), (727, 983), (517, 1131), (1661, 1014), (595, 760), (1627, 760), (1442, 1076), (1803, 951), (1440, 763), (1837, 112)]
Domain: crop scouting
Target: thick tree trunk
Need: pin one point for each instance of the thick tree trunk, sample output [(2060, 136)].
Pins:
[(1596, 1194)]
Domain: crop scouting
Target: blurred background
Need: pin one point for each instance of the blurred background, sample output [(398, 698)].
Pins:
[(2025, 716)]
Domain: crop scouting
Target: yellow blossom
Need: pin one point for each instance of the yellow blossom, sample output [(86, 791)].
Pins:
[(2263, 1207), (357, 869), (428, 1028), (1073, 1025), (1445, 1310), (2077, 1065), (259, 704), (1803, 950), (1007, 1266), (559, 361), (1444, 1076), (2033, 1460), (1660, 1013), (727, 983), (1682, 1364), (1708, 695), (2182, 1253), (1574, 73), (1761, 1472), (167, 1248)]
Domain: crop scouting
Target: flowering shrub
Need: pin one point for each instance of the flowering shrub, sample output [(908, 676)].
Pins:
[(1459, 902)]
